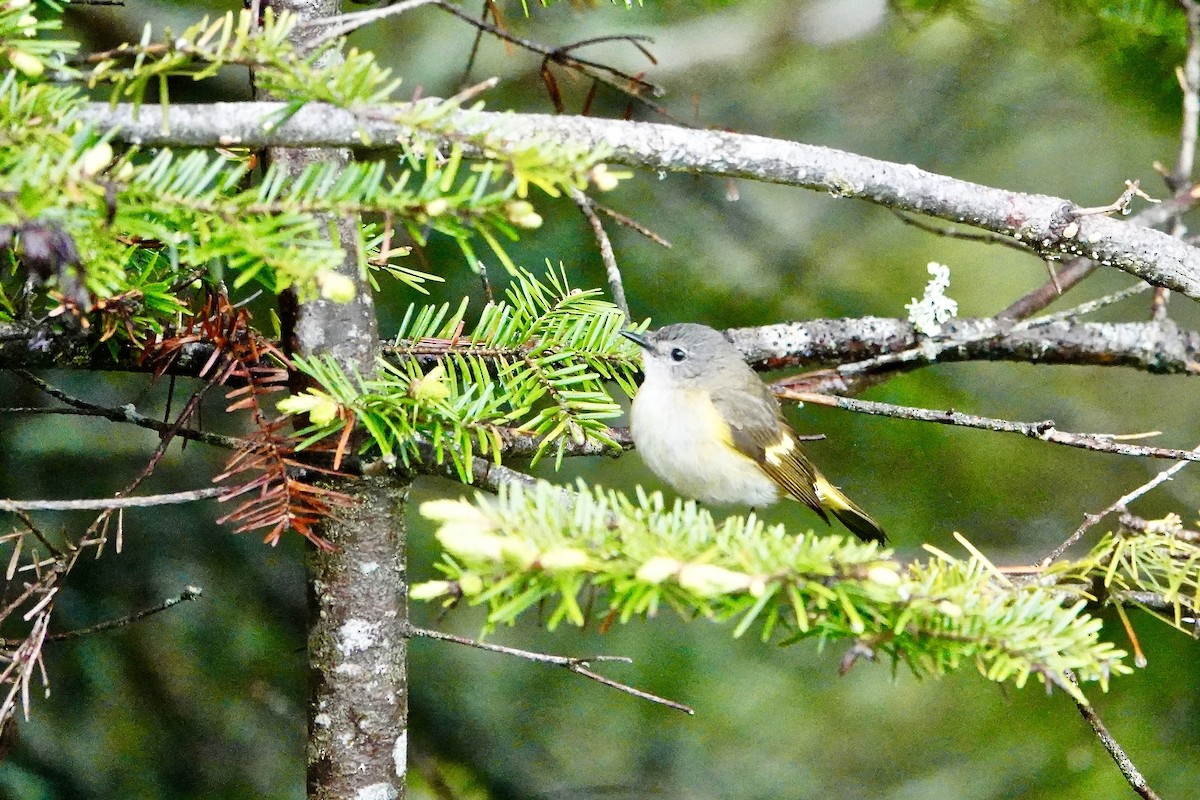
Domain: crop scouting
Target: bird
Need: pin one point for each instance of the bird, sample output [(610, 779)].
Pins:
[(706, 424)]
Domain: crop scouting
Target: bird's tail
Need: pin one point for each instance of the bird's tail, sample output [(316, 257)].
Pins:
[(854, 518)]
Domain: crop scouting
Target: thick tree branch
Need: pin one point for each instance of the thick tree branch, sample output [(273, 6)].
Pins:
[(1158, 347), (1048, 224)]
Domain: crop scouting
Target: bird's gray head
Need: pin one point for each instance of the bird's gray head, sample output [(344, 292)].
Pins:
[(686, 352)]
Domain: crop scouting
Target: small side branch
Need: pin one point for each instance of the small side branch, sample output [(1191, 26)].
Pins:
[(1118, 505), (108, 503), (580, 666), (615, 285), (633, 86), (1123, 762), (188, 593), (343, 24), (126, 413), (1043, 430)]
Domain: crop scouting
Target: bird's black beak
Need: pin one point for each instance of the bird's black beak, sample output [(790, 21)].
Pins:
[(639, 339)]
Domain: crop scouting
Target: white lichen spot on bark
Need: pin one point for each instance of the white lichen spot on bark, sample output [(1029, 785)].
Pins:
[(400, 754), (377, 791), (357, 635), (368, 567)]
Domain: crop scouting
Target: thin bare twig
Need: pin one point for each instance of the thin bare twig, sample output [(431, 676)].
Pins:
[(1118, 505), (1073, 272), (1189, 82), (952, 232), (632, 224), (633, 86), (1043, 430), (1120, 205), (1132, 775), (615, 285), (189, 593), (474, 53), (342, 24), (107, 503), (577, 665), (126, 413), (1084, 308)]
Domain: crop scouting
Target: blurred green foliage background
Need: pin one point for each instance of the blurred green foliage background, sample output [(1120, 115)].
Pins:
[(208, 700)]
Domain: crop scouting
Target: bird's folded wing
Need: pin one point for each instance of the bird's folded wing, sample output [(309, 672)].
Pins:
[(758, 431)]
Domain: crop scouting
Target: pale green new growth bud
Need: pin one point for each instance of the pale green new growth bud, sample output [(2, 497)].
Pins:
[(658, 569), (563, 559), (95, 159), (320, 407), (522, 214), (430, 590), (470, 584), (26, 63), (884, 575), (335, 286), (709, 580)]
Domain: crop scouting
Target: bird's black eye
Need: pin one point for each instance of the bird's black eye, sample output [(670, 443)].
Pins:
[(678, 354)]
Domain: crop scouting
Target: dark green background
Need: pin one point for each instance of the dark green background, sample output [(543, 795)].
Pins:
[(207, 701)]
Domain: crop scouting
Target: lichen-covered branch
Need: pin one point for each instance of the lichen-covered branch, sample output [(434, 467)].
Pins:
[(1048, 224), (1157, 347)]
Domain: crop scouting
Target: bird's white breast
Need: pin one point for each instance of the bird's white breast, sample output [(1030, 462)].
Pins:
[(683, 440)]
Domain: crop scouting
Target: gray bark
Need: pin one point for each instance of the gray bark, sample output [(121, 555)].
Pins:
[(358, 588), (1048, 225)]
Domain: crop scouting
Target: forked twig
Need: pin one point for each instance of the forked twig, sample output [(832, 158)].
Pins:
[(577, 665), (1119, 504)]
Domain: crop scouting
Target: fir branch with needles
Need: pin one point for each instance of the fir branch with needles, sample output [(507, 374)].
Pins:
[(528, 549), (203, 49), (213, 211), (1157, 562), (538, 361)]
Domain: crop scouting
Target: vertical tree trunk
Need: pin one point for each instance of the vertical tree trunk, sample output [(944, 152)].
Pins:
[(356, 647), (358, 590)]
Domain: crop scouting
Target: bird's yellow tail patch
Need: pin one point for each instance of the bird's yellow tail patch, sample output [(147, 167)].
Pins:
[(858, 521)]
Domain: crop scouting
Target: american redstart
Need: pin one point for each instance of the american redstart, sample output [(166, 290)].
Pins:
[(706, 424)]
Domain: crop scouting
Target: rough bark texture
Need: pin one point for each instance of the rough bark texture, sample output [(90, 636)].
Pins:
[(1158, 347), (358, 605), (357, 649), (1048, 225)]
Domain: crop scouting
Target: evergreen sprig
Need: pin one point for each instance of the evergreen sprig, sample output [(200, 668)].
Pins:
[(205, 48), (212, 213), (537, 548), (537, 362), (1156, 561), (23, 40)]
